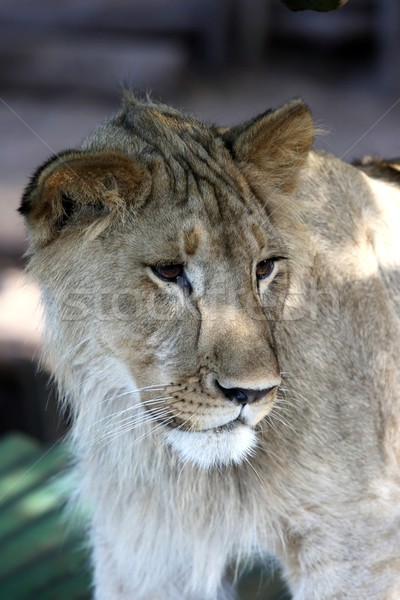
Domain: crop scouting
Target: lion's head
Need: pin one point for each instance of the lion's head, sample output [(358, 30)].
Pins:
[(164, 272)]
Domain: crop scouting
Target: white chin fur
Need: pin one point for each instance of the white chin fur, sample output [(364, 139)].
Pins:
[(213, 448)]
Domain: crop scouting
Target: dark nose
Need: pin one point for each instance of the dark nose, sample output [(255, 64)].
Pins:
[(242, 395)]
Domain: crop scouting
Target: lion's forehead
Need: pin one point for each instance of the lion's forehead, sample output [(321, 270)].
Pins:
[(198, 235), (188, 212)]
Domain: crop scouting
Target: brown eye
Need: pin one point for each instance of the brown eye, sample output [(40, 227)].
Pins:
[(264, 268), (169, 272)]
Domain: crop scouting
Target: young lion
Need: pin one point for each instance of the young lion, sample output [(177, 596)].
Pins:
[(223, 318)]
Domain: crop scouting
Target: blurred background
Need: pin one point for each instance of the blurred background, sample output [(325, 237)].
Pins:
[(62, 66)]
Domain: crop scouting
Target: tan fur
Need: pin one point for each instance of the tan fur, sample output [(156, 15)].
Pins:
[(183, 483)]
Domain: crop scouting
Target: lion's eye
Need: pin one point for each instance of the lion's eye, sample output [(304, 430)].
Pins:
[(264, 268), (174, 273), (169, 272)]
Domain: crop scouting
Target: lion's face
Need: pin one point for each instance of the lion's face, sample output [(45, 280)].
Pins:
[(179, 278), (199, 300)]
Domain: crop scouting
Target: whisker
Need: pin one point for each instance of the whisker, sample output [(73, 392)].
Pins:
[(161, 425), (295, 396), (271, 424), (129, 427), (114, 416), (135, 406), (253, 468), (132, 419), (155, 400), (138, 390), (153, 411), (274, 415)]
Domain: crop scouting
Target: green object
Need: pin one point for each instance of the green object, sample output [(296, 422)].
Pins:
[(318, 5), (41, 556)]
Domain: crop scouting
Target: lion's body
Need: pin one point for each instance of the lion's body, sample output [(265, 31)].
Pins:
[(183, 481)]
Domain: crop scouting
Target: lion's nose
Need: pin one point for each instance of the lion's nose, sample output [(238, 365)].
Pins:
[(242, 395)]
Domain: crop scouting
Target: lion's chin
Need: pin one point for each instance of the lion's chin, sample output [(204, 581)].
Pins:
[(214, 447)]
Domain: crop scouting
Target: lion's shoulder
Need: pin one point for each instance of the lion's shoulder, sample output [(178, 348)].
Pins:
[(378, 168)]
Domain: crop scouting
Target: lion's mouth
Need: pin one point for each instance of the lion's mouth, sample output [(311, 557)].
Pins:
[(218, 419), (225, 427)]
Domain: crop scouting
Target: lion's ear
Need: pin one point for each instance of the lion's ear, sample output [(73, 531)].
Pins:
[(78, 182), (277, 143)]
